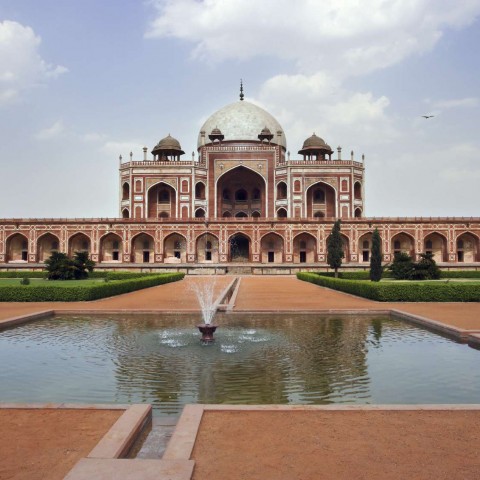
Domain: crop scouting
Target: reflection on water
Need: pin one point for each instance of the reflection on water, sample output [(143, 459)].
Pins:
[(260, 359)]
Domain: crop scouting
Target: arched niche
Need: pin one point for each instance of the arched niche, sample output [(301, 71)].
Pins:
[(46, 245), (207, 248), (271, 248), (143, 248), (281, 191), (467, 248), (175, 249), (358, 213), (79, 242), (125, 191), (111, 248), (364, 248), (304, 248), (241, 189), (281, 213), (436, 244), (161, 201), (125, 213), (357, 191), (17, 248), (200, 191), (403, 243), (321, 197), (239, 248), (199, 213)]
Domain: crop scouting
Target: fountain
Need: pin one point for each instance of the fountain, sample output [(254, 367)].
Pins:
[(205, 292)]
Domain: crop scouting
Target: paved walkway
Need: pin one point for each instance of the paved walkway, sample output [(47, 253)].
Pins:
[(256, 293)]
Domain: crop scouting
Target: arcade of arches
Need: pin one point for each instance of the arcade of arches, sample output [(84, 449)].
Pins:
[(261, 245)]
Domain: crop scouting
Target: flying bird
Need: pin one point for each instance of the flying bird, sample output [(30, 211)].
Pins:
[(428, 116)]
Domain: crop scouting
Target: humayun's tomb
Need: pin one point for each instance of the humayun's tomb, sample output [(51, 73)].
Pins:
[(240, 205)]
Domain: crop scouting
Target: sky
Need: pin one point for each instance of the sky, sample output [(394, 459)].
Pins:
[(84, 81)]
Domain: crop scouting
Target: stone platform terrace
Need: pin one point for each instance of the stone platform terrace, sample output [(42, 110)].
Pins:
[(398, 441)]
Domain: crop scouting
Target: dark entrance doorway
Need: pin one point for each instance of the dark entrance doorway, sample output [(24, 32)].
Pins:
[(303, 257), (146, 257), (239, 248)]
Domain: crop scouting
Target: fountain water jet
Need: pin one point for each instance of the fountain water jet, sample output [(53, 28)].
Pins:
[(205, 292)]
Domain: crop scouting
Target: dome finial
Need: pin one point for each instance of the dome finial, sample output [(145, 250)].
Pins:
[(241, 90)]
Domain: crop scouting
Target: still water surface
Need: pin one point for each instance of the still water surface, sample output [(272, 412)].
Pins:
[(281, 359)]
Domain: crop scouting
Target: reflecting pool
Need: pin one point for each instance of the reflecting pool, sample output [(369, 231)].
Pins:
[(256, 359)]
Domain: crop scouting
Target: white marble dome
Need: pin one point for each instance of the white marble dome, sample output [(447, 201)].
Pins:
[(242, 121)]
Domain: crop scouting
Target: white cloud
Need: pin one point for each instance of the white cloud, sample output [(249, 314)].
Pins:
[(307, 103), (51, 132), (124, 149), (21, 66), (456, 103), (346, 38)]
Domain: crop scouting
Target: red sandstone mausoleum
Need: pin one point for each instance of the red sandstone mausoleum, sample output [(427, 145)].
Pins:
[(240, 204)]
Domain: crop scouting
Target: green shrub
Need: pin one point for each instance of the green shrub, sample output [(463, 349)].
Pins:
[(460, 274), (402, 267), (25, 281), (426, 268), (22, 274), (56, 293), (401, 291)]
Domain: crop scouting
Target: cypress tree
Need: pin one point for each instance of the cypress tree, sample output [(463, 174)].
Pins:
[(376, 258), (335, 248)]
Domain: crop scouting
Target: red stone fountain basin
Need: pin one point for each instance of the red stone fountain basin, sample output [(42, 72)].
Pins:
[(207, 330)]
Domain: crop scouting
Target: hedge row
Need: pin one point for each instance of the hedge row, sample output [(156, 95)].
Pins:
[(460, 274), (360, 275), (111, 275), (55, 293), (401, 291)]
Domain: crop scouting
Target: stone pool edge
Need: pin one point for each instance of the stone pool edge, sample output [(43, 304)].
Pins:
[(470, 337)]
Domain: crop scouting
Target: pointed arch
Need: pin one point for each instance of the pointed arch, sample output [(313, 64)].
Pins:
[(436, 243), (271, 248), (175, 248), (321, 197), (403, 242), (207, 248), (199, 213), (79, 242), (17, 248), (161, 201), (239, 247), (126, 191), (46, 245), (304, 248), (125, 213), (467, 246), (143, 248), (240, 188), (111, 248), (282, 190), (200, 191), (364, 247)]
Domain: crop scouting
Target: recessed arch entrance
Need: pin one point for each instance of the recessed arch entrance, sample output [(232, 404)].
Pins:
[(304, 248), (239, 248), (467, 246), (321, 198), (17, 248), (111, 248), (79, 242), (143, 248), (241, 190), (364, 248), (436, 244), (207, 248), (162, 201), (403, 243), (46, 245), (271, 248), (175, 249)]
